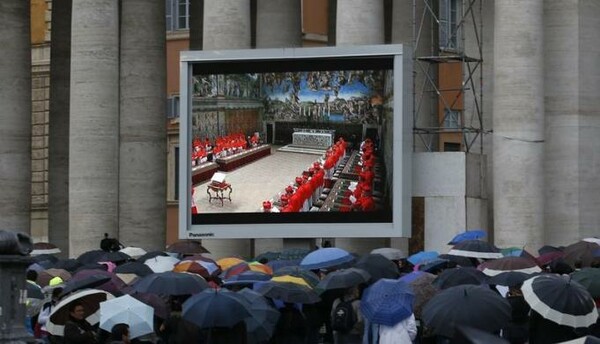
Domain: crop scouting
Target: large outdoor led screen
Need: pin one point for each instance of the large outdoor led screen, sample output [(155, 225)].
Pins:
[(305, 142)]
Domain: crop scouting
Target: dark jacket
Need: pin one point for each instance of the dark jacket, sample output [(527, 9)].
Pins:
[(543, 331), (291, 328), (79, 332)]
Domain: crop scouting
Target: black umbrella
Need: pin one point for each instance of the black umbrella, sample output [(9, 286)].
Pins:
[(263, 316), (560, 300), (136, 268), (378, 267), (466, 305), (115, 257), (187, 247), (90, 257), (476, 249), (469, 335), (344, 278), (459, 276), (71, 265), (171, 283), (590, 279), (151, 255), (161, 309), (40, 259), (215, 308), (460, 261), (509, 278), (92, 266), (288, 292), (88, 282)]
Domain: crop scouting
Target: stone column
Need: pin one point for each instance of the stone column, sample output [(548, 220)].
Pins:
[(58, 147), (94, 127), (360, 22), (518, 121), (13, 294), (278, 24), (227, 26), (572, 120), (15, 116), (142, 128)]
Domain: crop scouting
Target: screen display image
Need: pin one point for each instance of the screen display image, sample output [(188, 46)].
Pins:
[(288, 146)]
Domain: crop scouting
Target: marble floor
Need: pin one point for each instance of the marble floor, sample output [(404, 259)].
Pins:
[(256, 182)]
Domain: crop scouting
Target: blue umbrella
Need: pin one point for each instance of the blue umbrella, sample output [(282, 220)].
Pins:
[(468, 235), (280, 264), (422, 256), (436, 264), (215, 308), (387, 302), (324, 258)]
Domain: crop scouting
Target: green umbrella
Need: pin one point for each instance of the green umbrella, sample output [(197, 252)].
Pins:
[(590, 279)]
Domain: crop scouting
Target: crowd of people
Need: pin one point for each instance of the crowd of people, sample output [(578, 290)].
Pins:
[(354, 294)]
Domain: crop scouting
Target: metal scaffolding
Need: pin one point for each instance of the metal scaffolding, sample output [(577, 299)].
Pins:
[(448, 21)]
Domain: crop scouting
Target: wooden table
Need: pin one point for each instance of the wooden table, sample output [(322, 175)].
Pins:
[(217, 192)]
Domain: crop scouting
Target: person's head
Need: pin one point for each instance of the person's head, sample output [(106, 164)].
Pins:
[(106, 235), (56, 293), (32, 275), (77, 311), (352, 293), (515, 291), (120, 332)]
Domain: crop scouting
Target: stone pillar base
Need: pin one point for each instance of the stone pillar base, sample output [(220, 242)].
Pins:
[(13, 295)]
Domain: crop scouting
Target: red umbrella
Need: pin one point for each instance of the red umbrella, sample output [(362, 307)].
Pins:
[(581, 252), (113, 286), (44, 248), (548, 257), (520, 264), (192, 267)]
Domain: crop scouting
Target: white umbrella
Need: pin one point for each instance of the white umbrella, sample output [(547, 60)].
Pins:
[(130, 311), (594, 240), (133, 252), (90, 299), (161, 263), (390, 253)]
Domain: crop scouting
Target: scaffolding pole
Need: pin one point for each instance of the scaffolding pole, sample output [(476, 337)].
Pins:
[(427, 62)]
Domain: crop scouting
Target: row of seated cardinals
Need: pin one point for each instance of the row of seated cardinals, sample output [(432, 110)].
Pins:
[(361, 198), (223, 143), (305, 187), (334, 154)]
